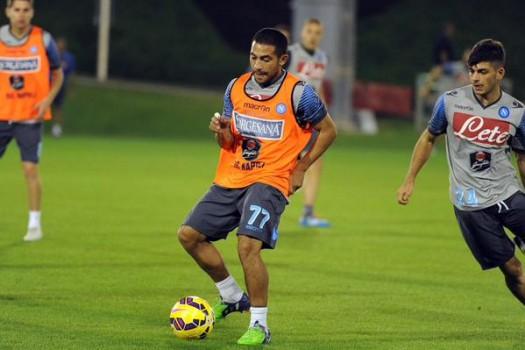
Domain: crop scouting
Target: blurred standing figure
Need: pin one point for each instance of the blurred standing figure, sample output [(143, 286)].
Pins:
[(443, 51), (308, 62), (30, 77), (69, 65)]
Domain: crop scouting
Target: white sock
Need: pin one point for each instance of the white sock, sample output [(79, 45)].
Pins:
[(34, 219), (259, 314), (229, 290)]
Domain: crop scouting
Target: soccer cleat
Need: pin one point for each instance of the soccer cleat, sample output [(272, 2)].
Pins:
[(256, 335), (33, 234), (313, 222), (222, 309)]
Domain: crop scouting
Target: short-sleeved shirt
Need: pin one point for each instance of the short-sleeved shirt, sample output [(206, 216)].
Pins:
[(479, 144)]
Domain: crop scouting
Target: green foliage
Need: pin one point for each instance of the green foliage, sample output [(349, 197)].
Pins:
[(155, 40)]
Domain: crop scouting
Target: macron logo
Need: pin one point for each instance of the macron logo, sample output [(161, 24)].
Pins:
[(259, 128), (20, 65)]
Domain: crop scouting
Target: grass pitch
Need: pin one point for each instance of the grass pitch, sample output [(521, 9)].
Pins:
[(110, 267)]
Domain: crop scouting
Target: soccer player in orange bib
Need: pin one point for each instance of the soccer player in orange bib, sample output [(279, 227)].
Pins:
[(30, 78), (268, 118)]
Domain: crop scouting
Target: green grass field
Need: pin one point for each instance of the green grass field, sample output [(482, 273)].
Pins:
[(110, 266)]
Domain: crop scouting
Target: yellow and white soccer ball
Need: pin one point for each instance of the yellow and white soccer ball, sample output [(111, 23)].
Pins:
[(192, 317)]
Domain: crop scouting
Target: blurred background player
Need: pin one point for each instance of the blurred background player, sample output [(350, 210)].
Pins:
[(443, 50), (30, 77), (69, 64), (308, 62), (483, 124), (267, 121)]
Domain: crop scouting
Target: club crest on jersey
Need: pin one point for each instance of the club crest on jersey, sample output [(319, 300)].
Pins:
[(33, 49), (20, 65), (481, 131), (281, 108), (262, 129), (504, 112)]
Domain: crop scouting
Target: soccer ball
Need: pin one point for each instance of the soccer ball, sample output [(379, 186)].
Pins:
[(192, 318)]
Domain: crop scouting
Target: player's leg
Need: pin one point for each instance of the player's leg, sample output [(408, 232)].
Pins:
[(311, 185), (58, 121), (484, 233), (212, 219), (261, 211), (203, 252), (513, 214), (514, 278), (29, 140), (312, 181), (255, 272)]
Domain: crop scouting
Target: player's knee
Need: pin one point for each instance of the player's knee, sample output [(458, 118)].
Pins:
[(31, 171), (188, 237), (248, 248), (513, 271)]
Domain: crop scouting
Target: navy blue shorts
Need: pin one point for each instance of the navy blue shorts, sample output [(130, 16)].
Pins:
[(484, 232), (255, 210), (27, 136)]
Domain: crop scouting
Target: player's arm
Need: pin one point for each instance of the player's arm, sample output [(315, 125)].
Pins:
[(220, 125), (423, 150), (327, 134), (57, 78), (311, 110)]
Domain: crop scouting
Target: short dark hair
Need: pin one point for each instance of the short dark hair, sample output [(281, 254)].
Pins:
[(487, 50), (272, 36)]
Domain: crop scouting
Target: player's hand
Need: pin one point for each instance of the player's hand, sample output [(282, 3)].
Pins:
[(296, 182), (404, 192), (41, 108), (219, 123)]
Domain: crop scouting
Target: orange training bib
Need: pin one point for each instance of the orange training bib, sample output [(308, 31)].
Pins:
[(24, 78), (268, 139)]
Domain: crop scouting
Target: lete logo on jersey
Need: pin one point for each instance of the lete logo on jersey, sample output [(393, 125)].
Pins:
[(482, 131)]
